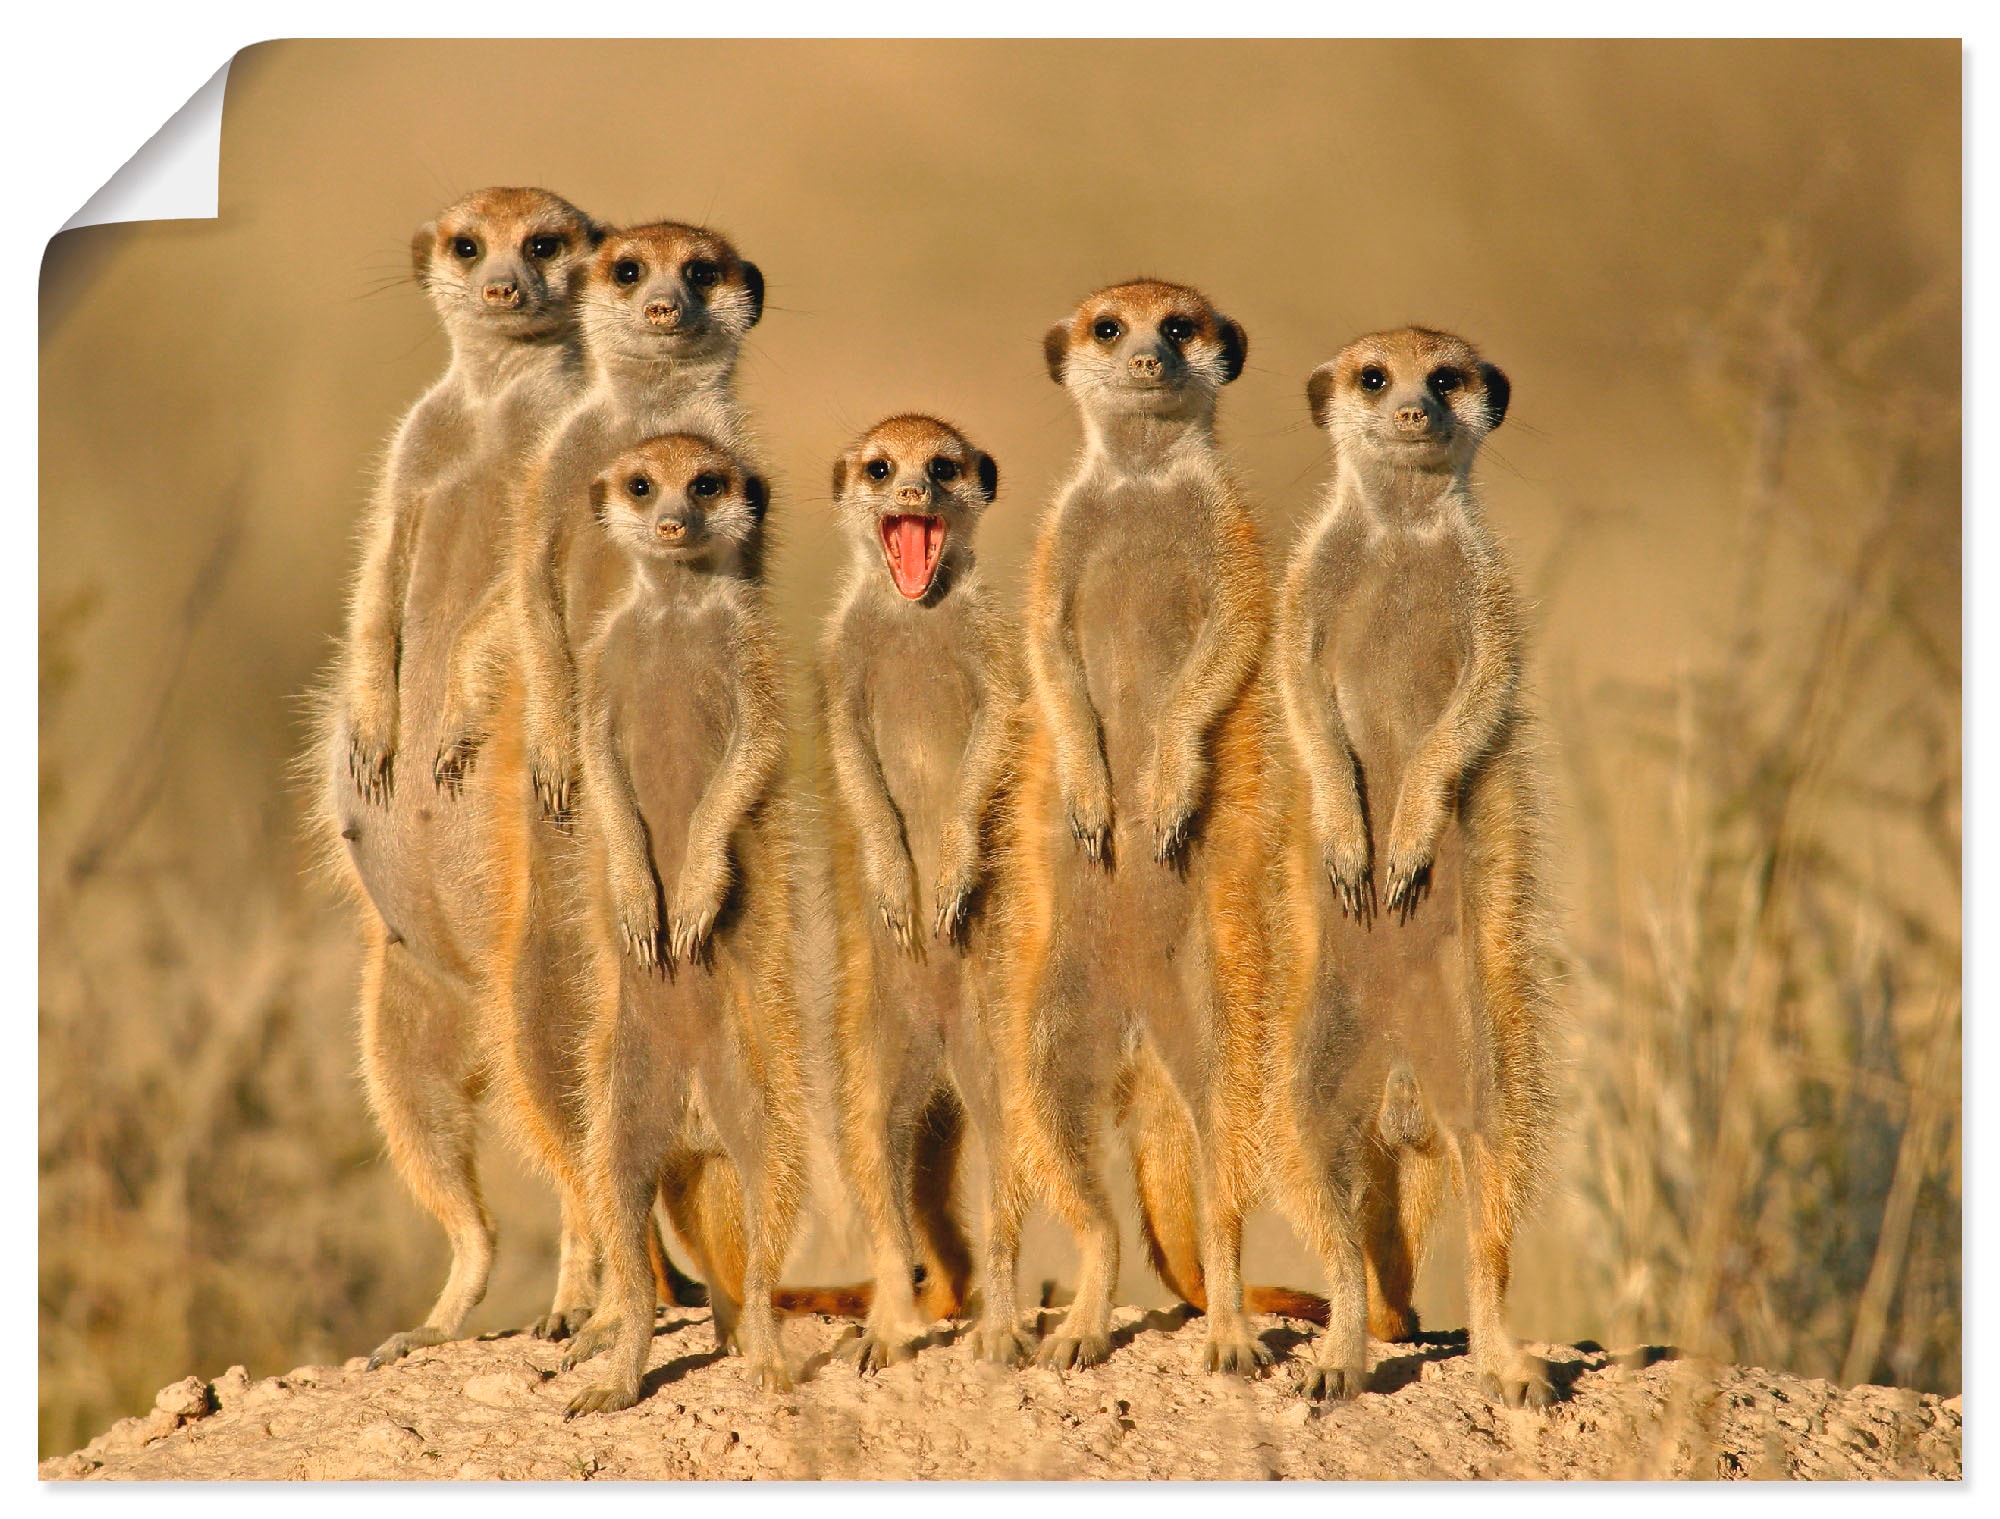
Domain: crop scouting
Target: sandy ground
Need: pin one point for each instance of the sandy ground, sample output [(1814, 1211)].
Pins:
[(493, 1408)]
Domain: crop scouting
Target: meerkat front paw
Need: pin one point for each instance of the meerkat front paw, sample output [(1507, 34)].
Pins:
[(1351, 872), (636, 905), (1087, 800), (455, 757), (371, 749), (896, 901), (1172, 784), (554, 772), (697, 904), (958, 878), (1406, 873)]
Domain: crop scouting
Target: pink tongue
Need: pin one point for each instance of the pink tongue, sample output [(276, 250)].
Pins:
[(908, 559)]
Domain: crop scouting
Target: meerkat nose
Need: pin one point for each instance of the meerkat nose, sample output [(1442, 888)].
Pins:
[(671, 529), (913, 495), (663, 313), (503, 293), (1146, 366), (1413, 419)]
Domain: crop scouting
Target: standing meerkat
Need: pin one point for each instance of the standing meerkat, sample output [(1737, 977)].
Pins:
[(663, 309), (1412, 1037), (1136, 955), (498, 267), (695, 1082), (919, 701)]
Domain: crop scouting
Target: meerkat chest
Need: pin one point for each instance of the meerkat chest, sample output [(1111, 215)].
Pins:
[(1145, 568), (923, 697), (1401, 637), (670, 682)]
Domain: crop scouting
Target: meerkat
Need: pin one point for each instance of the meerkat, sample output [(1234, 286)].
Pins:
[(919, 696), (695, 1078), (1141, 825), (499, 268), (1412, 1038), (663, 309)]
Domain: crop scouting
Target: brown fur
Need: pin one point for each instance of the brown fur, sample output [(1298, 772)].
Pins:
[(1412, 1030), (694, 1076), (919, 698), (1134, 938), (418, 863)]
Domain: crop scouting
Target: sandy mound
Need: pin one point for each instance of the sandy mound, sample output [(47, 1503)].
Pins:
[(494, 1408)]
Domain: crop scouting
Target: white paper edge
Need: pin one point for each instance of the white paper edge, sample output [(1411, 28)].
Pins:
[(175, 176)]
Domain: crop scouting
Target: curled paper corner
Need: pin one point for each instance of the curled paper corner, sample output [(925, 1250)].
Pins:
[(175, 176)]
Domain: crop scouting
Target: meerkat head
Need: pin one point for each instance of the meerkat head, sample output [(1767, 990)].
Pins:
[(1413, 398), (681, 499), (914, 487), (669, 291), (504, 260), (1147, 347)]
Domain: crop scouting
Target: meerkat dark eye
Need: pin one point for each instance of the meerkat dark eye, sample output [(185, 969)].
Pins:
[(709, 484), (1177, 329), (638, 487), (701, 273), (1373, 377), (465, 248), (1444, 381), (878, 469), (626, 271), (1106, 330), (544, 247), (944, 470)]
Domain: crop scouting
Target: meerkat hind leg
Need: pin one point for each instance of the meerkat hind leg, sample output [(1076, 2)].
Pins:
[(947, 1255), (576, 1274), (999, 1337), (1083, 1338), (1338, 1365), (425, 1093), (882, 1139), (1402, 1197), (1507, 1373), (636, 1147)]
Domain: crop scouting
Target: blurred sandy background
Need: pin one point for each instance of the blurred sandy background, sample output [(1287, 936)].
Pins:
[(1725, 280)]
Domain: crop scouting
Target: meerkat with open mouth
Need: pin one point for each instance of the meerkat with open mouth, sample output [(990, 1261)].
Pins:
[(919, 702)]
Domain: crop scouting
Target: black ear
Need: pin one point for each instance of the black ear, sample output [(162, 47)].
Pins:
[(840, 477), (1055, 343), (1235, 348), (1498, 393), (421, 244), (758, 497), (593, 234), (599, 489), (753, 281), (1319, 394), (989, 476)]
